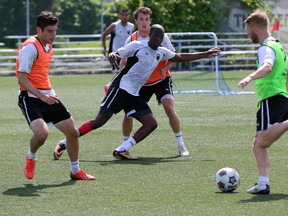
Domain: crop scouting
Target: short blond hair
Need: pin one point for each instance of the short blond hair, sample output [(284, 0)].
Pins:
[(259, 18)]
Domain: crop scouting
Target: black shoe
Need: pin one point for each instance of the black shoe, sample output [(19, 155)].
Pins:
[(123, 155)]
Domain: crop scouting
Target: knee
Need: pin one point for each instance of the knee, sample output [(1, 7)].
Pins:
[(41, 136), (154, 125), (74, 134), (170, 112), (259, 144)]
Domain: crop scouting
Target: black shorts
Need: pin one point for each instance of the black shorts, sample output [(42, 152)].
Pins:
[(34, 108), (160, 89), (118, 99), (272, 110)]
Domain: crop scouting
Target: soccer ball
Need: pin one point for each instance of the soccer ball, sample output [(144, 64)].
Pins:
[(227, 179)]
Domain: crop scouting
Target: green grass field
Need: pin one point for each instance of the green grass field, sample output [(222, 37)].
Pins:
[(218, 132)]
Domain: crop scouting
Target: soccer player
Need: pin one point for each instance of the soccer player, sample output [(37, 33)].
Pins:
[(270, 80), (38, 101), (118, 31), (123, 93), (159, 83)]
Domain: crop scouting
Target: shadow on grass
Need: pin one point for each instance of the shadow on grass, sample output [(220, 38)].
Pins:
[(140, 160), (265, 198), (33, 190)]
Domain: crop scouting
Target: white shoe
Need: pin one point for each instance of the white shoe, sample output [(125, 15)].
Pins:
[(259, 190), (183, 151)]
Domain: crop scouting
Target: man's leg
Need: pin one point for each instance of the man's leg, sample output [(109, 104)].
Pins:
[(40, 134), (174, 121), (149, 124)]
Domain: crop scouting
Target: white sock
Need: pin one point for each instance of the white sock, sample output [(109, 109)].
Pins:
[(64, 141), (179, 138), (263, 181), (74, 167), (126, 145), (125, 138), (32, 155), (108, 85)]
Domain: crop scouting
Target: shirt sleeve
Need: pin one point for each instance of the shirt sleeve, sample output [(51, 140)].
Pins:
[(128, 40), (26, 57), (129, 49), (266, 55), (167, 43), (167, 54)]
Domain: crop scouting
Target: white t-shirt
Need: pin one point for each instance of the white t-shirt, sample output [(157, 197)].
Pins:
[(120, 34), (266, 54), (141, 62), (165, 43)]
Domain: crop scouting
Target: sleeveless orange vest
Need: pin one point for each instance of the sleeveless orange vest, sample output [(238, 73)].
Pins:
[(156, 74), (39, 74)]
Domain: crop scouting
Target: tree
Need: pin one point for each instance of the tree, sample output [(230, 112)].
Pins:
[(77, 17)]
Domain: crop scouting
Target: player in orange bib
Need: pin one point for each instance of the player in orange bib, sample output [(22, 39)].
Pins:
[(38, 101)]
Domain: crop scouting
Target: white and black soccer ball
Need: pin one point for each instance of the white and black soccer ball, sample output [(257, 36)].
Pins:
[(227, 179)]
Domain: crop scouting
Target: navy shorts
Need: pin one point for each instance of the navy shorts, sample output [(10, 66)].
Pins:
[(160, 89), (272, 110), (118, 99), (34, 108)]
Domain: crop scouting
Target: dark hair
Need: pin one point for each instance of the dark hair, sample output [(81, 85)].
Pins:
[(46, 18), (144, 10)]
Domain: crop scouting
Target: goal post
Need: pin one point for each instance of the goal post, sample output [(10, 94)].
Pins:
[(203, 76)]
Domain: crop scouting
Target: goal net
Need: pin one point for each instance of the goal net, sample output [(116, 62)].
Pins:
[(203, 76)]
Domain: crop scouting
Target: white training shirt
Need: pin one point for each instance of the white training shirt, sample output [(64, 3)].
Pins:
[(266, 54), (120, 34), (165, 43), (146, 61)]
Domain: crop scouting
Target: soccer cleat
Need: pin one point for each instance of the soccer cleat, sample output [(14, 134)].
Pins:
[(258, 190), (82, 175), (123, 155), (29, 168), (183, 151), (106, 89), (59, 150)]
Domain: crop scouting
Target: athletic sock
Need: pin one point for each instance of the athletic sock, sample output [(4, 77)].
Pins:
[(179, 138), (64, 142), (263, 181), (125, 138), (85, 128), (74, 167), (126, 145), (32, 155)]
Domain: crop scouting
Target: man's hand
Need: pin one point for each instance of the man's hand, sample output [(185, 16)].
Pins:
[(113, 57), (244, 82), (213, 52), (50, 99)]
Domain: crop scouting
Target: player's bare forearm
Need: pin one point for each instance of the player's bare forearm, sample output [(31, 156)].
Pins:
[(184, 57), (259, 73)]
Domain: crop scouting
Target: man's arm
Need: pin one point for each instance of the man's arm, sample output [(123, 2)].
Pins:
[(184, 57), (24, 82), (108, 31), (259, 73)]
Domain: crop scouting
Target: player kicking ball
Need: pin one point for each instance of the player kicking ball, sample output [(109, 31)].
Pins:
[(123, 93)]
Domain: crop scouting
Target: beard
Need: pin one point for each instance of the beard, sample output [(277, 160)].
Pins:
[(254, 38)]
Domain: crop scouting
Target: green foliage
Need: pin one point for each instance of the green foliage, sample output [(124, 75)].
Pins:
[(77, 17), (181, 16), (83, 17)]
